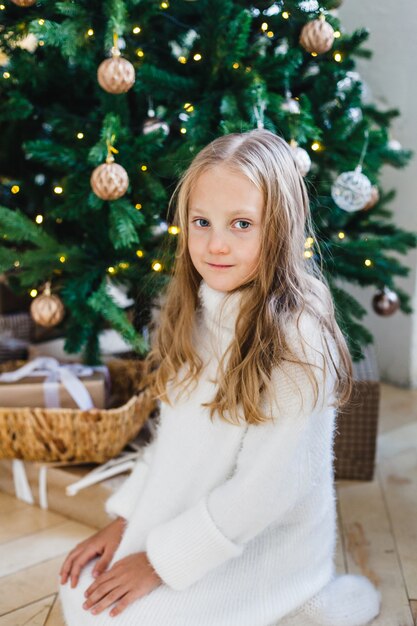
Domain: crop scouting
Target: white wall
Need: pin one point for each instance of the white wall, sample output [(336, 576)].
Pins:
[(391, 75)]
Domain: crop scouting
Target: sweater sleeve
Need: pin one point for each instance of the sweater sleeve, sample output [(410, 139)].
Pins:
[(123, 501), (265, 485)]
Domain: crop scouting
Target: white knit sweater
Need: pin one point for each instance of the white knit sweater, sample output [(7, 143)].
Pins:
[(238, 521)]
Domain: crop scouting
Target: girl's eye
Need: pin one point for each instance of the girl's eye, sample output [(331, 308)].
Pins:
[(200, 219), (243, 222), (247, 224)]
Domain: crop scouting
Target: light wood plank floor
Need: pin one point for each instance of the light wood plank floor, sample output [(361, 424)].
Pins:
[(377, 532)]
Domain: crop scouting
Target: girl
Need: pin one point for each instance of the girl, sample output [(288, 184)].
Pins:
[(230, 517)]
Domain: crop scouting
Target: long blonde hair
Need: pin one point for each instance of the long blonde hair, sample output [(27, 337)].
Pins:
[(286, 284)]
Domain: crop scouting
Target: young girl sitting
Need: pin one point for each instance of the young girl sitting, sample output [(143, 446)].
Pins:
[(229, 519)]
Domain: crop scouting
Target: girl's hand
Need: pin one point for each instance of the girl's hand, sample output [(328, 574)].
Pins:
[(103, 543), (126, 581)]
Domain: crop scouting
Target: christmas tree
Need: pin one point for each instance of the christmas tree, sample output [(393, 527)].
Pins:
[(131, 90)]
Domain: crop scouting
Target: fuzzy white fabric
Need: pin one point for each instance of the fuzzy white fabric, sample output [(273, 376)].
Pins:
[(238, 521)]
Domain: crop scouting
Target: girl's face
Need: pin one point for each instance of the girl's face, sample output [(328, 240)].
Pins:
[(224, 222)]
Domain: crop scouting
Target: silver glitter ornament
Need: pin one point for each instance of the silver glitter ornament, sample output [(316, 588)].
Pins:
[(351, 190), (355, 114), (301, 157), (309, 5), (291, 106)]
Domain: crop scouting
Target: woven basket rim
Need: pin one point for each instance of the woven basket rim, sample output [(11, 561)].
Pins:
[(76, 411)]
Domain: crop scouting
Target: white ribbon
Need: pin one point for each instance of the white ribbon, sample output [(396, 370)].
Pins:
[(21, 484), (54, 373)]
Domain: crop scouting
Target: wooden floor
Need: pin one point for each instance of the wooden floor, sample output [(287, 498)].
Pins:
[(377, 530)]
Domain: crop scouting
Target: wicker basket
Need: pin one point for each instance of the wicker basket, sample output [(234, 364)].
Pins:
[(357, 423), (73, 435)]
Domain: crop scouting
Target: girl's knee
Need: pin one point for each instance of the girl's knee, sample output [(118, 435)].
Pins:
[(73, 597)]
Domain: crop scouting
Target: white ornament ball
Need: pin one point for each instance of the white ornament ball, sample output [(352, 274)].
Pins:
[(309, 5), (282, 48), (394, 144), (351, 190), (355, 114), (302, 158), (40, 179), (159, 229), (291, 106)]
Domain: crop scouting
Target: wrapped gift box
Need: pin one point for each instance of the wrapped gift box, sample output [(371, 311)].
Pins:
[(357, 423), (30, 391)]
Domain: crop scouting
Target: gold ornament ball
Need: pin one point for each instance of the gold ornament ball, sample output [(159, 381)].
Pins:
[(109, 181), (116, 75), (24, 3), (373, 199), (47, 310), (317, 36), (385, 302)]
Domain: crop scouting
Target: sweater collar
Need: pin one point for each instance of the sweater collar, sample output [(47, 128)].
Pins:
[(220, 309)]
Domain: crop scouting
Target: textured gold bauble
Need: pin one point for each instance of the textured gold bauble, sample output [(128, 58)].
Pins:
[(373, 199), (109, 181), (47, 310), (24, 3), (116, 75), (317, 36)]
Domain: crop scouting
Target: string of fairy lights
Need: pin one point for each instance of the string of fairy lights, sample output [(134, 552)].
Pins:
[(317, 37)]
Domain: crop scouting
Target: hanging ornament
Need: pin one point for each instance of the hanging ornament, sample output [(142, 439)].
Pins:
[(301, 157), (40, 179), (47, 309), (309, 5), (394, 144), (355, 114), (385, 302), (351, 191), (109, 181), (116, 75), (259, 105), (282, 48), (29, 43), (154, 123), (373, 199), (24, 3), (346, 84), (159, 229), (290, 105), (317, 36)]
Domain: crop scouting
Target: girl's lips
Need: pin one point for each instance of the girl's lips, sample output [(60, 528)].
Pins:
[(220, 266)]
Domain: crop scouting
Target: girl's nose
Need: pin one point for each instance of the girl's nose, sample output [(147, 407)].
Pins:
[(218, 243)]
